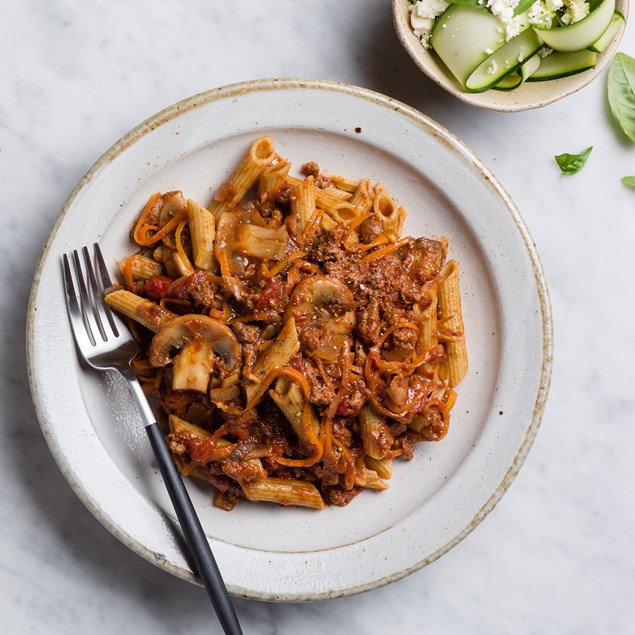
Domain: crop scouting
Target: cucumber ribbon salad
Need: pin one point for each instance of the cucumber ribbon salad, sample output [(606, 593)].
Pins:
[(503, 43)]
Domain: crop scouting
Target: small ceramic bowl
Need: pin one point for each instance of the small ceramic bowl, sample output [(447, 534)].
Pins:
[(529, 95)]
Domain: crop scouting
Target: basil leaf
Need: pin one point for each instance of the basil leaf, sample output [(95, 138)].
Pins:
[(523, 5), (629, 181), (572, 163), (621, 92)]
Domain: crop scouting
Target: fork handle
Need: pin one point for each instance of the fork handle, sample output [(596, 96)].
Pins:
[(194, 534)]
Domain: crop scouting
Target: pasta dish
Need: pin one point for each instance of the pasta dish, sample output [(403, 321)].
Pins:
[(296, 340)]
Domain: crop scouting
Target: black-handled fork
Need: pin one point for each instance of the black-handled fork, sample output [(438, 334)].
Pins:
[(106, 344)]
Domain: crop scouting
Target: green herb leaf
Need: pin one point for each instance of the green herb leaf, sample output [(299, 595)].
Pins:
[(629, 181), (523, 5), (573, 163), (621, 91), (477, 4)]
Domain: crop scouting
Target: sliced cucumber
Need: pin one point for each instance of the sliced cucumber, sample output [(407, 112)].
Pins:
[(582, 34), (464, 37), (509, 82), (530, 67), (559, 65), (617, 22), (504, 61), (515, 79)]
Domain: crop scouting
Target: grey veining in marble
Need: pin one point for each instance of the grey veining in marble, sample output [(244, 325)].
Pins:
[(556, 555)]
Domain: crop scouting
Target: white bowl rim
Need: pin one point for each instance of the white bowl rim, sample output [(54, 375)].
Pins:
[(503, 101)]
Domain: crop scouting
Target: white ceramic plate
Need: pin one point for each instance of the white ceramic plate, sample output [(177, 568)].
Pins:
[(270, 552)]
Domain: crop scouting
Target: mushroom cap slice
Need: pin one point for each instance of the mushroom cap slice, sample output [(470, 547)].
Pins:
[(200, 341), (323, 301)]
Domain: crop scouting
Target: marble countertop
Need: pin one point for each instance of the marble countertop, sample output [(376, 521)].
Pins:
[(556, 555)]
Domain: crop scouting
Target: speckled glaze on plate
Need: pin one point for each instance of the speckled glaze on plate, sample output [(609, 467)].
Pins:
[(529, 95), (264, 551)]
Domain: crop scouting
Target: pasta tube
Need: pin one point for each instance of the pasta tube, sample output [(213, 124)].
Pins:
[(372, 427), (282, 349), (452, 318), (230, 193), (271, 182), (283, 492), (202, 232), (146, 313), (303, 202)]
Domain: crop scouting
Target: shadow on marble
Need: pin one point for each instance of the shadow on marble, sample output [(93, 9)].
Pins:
[(393, 73)]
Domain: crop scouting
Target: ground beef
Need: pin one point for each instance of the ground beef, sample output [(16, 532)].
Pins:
[(370, 229), (340, 497), (310, 169), (243, 470), (197, 288), (313, 169), (353, 399), (321, 394), (329, 248), (368, 322), (246, 333), (424, 259)]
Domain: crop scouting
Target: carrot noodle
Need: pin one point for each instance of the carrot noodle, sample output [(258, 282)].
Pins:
[(126, 270), (224, 315), (355, 223), (311, 226), (179, 245), (161, 232), (153, 202), (384, 251), (284, 263)]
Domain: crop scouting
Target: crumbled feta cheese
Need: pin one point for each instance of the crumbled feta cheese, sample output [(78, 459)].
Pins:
[(491, 68), (430, 8), (422, 16), (504, 11), (545, 51), (575, 11), (489, 51), (553, 5)]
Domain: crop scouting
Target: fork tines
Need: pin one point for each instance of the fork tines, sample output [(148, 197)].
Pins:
[(88, 306)]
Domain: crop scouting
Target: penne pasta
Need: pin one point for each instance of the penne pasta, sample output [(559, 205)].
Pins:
[(391, 216), (146, 313), (451, 316), (337, 193), (289, 398), (344, 184), (271, 182), (363, 196), (382, 467), (369, 479), (230, 193), (284, 492), (372, 428), (427, 319), (303, 202), (142, 268), (202, 232), (277, 355)]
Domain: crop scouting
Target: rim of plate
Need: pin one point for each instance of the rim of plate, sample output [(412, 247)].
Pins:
[(232, 91)]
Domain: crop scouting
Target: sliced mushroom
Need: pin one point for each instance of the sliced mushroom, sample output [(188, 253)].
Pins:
[(324, 302), (199, 340)]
